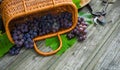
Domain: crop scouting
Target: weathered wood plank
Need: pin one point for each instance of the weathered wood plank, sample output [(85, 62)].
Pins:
[(108, 56)]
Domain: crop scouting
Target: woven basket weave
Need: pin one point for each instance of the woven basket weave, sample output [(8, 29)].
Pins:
[(15, 9)]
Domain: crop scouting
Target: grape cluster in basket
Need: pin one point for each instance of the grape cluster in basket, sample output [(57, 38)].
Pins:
[(24, 33)]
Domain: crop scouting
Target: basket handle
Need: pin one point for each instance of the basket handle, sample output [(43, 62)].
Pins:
[(47, 53)]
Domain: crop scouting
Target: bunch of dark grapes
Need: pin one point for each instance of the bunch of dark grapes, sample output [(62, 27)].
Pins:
[(79, 31), (24, 33), (15, 50)]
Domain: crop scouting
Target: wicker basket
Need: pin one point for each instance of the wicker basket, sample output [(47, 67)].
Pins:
[(15, 9)]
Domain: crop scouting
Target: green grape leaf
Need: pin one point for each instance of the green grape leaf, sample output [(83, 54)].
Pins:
[(49, 41), (5, 44), (54, 43), (77, 3), (87, 17)]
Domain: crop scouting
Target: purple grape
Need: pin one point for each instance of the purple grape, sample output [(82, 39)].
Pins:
[(75, 30), (29, 40), (81, 29), (27, 46), (40, 34), (70, 36), (31, 45), (47, 31), (14, 50), (78, 23), (83, 22), (25, 30), (85, 32), (15, 37), (19, 44), (82, 19), (24, 38), (14, 34), (35, 34), (20, 36), (84, 37), (27, 35), (16, 42), (80, 39), (11, 52), (19, 27), (31, 36), (18, 32)]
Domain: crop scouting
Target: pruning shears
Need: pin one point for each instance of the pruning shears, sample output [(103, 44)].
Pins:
[(99, 17)]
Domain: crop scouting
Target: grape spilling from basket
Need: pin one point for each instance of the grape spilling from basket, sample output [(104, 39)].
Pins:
[(23, 34), (79, 31)]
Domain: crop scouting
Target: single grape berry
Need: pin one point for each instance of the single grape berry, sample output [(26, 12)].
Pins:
[(70, 36), (80, 39)]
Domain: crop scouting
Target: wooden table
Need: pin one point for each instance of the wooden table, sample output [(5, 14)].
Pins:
[(100, 51)]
